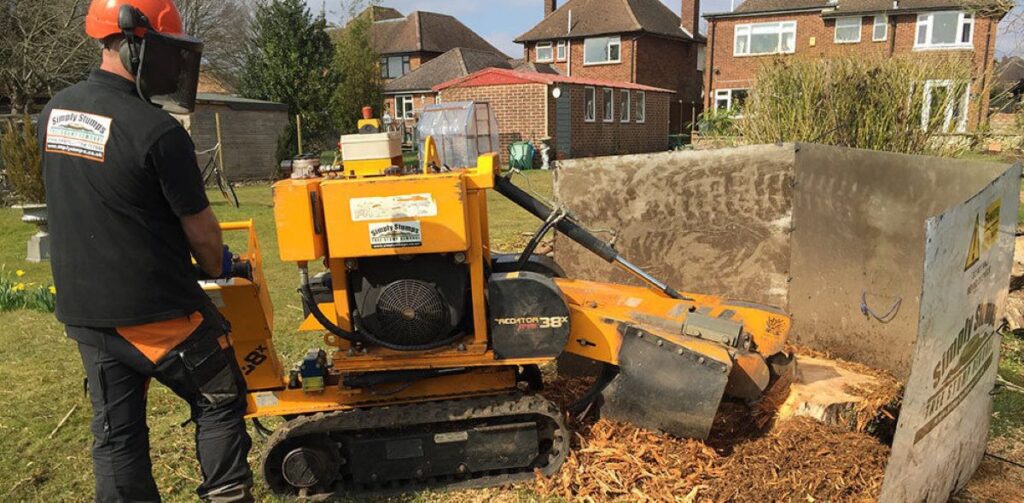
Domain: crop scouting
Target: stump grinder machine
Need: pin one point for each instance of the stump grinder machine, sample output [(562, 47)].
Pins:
[(430, 376)]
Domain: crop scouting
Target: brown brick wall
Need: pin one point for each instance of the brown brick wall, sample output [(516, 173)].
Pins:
[(419, 100), (645, 59), (815, 38), (520, 111), (518, 108)]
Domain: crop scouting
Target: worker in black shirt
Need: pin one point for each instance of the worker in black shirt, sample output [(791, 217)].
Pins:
[(127, 212)]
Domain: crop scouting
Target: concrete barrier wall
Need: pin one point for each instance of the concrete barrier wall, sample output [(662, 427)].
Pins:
[(816, 230), (715, 221), (858, 239)]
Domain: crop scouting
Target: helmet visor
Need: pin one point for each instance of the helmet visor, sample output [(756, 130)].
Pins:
[(168, 73)]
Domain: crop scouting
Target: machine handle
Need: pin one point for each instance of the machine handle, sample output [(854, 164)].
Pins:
[(566, 226)]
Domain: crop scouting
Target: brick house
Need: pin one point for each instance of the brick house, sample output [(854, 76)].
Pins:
[(635, 41), (406, 42), (583, 117), (739, 42)]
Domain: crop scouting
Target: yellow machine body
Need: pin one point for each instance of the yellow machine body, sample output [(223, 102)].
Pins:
[(668, 357)]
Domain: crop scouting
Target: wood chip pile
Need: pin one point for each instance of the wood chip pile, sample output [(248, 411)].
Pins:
[(794, 460)]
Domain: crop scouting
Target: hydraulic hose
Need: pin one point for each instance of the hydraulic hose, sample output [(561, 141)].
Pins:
[(574, 231), (361, 337)]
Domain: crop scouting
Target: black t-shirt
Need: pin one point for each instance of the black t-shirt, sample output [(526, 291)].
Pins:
[(119, 174)]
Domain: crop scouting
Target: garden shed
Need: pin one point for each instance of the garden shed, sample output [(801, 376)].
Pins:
[(249, 129)]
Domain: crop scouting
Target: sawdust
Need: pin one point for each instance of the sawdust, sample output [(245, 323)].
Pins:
[(747, 458), (998, 479)]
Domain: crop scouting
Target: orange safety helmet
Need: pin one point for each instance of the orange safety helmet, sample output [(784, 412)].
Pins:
[(101, 21)]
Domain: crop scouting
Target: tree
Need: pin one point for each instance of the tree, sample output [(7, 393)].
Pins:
[(358, 63), (43, 48), (224, 26), (290, 61)]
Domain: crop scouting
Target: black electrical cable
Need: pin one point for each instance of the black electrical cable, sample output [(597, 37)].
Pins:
[(363, 337)]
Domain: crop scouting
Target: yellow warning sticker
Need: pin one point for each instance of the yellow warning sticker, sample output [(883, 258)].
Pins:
[(974, 250), (991, 225)]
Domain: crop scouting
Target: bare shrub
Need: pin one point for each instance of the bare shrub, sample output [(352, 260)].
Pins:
[(898, 104)]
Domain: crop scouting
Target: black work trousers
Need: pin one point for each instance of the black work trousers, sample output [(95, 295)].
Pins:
[(203, 372)]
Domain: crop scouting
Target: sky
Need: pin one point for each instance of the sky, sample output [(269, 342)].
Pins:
[(502, 21)]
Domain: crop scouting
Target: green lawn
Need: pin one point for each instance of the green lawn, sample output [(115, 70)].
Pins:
[(42, 374)]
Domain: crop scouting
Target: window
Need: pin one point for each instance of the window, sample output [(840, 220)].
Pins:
[(393, 67), (641, 106), (589, 99), (945, 106), (847, 30), (730, 99), (544, 52), (609, 104), (944, 29), (403, 107), (602, 50), (765, 38), (880, 28), (701, 54), (562, 46), (624, 103)]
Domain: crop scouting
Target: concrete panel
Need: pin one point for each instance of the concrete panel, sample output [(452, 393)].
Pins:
[(713, 222), (859, 233), (944, 421)]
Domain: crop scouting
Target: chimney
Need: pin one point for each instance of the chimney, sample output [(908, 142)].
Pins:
[(690, 16), (549, 7)]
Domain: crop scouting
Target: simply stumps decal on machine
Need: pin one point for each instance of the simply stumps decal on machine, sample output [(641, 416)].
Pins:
[(944, 421), (396, 235)]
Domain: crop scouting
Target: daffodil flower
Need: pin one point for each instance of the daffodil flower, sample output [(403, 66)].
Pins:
[(53, 290), (20, 273), (19, 287)]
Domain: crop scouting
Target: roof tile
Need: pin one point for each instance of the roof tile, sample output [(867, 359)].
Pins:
[(603, 17)]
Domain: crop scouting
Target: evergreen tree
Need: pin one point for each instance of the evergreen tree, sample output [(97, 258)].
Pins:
[(290, 61), (358, 63)]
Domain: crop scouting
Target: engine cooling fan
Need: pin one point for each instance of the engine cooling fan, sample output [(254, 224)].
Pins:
[(411, 313)]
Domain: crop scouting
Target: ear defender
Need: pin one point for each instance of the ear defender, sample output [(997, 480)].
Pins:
[(128, 20)]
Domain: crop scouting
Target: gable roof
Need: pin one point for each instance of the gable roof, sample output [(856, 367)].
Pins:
[(453, 64), (423, 32), (606, 17), (503, 77), (843, 6)]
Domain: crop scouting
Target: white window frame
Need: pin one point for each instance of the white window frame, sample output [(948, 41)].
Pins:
[(615, 41), (727, 96), (608, 103), (927, 21), (641, 107), (589, 104), (847, 19), (400, 109), (550, 49), (723, 95), (625, 104), (926, 107), (562, 50), (883, 21), (746, 30)]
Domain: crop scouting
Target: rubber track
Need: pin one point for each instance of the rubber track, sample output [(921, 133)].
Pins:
[(443, 412)]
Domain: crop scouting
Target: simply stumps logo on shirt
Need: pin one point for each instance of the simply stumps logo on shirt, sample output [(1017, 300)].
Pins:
[(78, 134)]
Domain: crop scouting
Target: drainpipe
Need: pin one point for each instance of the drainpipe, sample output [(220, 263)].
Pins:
[(709, 61), (984, 74), (568, 48)]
